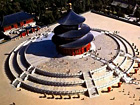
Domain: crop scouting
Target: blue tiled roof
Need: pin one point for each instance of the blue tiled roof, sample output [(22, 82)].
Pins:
[(71, 18), (80, 42), (76, 33), (14, 18)]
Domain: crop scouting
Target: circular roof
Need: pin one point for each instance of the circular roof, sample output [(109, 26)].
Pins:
[(80, 42), (76, 33), (71, 18)]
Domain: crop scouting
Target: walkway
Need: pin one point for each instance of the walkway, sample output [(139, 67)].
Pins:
[(90, 84)]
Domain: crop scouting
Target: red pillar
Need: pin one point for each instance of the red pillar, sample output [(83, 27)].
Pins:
[(21, 23), (15, 25), (76, 52), (88, 46), (73, 52), (7, 28), (82, 50)]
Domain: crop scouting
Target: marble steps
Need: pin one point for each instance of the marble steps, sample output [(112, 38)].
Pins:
[(52, 89)]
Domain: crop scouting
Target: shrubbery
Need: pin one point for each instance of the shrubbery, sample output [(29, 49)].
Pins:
[(48, 11)]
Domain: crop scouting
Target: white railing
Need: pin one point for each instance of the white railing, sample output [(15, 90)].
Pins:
[(99, 69), (109, 83)]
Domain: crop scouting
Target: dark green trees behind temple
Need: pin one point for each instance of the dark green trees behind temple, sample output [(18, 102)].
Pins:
[(48, 11)]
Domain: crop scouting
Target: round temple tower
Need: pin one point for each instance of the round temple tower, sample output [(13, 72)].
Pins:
[(72, 37)]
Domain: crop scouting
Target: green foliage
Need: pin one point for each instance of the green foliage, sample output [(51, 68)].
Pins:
[(47, 17), (48, 11)]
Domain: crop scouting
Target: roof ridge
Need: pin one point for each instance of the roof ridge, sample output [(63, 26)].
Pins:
[(15, 13), (16, 17)]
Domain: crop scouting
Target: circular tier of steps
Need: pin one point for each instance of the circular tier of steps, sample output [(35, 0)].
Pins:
[(103, 77), (33, 79), (30, 78)]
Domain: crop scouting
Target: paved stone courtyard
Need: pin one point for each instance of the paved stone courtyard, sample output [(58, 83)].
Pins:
[(104, 45)]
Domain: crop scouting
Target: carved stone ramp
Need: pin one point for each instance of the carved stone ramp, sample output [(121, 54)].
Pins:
[(90, 84)]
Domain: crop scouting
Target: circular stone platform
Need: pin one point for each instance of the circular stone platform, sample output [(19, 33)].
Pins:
[(36, 65), (43, 55)]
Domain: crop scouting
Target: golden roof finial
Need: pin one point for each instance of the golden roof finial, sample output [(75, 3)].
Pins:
[(70, 5)]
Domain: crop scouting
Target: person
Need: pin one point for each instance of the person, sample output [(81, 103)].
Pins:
[(134, 96), (19, 90), (68, 71), (99, 48), (44, 95), (78, 95), (113, 98), (93, 93), (129, 93), (82, 98)]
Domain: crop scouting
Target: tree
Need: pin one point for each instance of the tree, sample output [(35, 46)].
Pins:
[(88, 4), (47, 18)]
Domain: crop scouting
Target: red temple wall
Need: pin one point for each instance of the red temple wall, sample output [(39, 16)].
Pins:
[(73, 52), (21, 23), (16, 25), (29, 21), (7, 28)]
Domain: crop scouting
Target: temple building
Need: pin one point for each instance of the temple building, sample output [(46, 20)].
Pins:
[(16, 20), (18, 24), (72, 37)]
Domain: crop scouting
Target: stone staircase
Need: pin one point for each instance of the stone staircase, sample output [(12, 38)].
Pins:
[(90, 85)]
